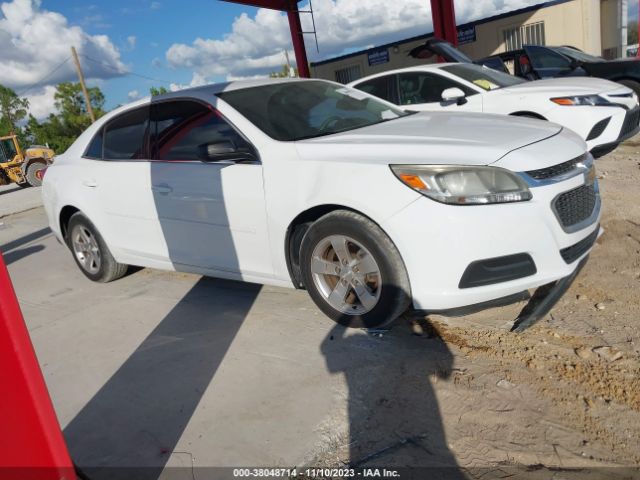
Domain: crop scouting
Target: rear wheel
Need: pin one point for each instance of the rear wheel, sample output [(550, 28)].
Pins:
[(353, 271), (90, 251), (33, 177)]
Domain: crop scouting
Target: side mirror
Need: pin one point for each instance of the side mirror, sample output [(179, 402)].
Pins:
[(223, 150), (573, 64), (454, 95)]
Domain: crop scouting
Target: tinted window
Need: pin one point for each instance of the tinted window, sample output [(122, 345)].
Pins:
[(181, 130), (305, 109), (124, 137), (95, 147), (381, 87), (9, 148), (424, 87), (542, 57)]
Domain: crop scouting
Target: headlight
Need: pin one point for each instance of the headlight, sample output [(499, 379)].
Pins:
[(592, 100), (464, 185)]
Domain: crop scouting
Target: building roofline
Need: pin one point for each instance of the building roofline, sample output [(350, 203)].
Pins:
[(426, 36)]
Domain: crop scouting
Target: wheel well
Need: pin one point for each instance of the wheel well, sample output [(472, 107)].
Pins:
[(65, 215), (295, 232), (528, 114)]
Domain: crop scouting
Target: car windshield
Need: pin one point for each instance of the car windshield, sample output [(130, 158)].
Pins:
[(578, 55), (306, 109), (483, 77)]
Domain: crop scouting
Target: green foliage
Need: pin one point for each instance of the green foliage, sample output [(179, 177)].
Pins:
[(632, 33), (60, 130), (13, 109), (157, 91)]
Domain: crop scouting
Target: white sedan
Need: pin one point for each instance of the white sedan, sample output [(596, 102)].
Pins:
[(603, 113), (310, 184)]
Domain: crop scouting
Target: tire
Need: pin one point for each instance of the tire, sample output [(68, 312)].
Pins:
[(90, 251), (632, 84), (333, 280), (31, 174)]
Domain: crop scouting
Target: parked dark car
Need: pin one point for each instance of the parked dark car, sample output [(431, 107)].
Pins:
[(535, 62)]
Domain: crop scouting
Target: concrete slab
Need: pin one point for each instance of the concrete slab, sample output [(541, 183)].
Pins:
[(15, 199)]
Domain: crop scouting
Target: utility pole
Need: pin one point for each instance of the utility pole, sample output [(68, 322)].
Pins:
[(84, 87)]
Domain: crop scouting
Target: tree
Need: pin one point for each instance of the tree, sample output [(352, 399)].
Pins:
[(13, 109), (60, 130), (157, 91)]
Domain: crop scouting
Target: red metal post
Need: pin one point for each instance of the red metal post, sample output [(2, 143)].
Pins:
[(298, 40), (444, 21), (31, 444)]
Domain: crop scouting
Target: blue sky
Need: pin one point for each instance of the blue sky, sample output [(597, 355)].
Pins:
[(156, 26), (178, 43)]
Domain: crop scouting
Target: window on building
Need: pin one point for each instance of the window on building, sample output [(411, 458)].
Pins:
[(348, 74), (529, 34), (180, 130), (382, 87), (124, 137)]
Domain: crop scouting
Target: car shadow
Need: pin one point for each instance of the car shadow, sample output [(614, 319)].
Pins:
[(20, 253), (394, 418), (133, 423)]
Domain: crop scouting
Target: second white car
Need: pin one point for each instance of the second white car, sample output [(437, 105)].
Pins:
[(603, 113)]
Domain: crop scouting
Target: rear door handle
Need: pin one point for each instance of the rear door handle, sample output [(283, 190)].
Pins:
[(90, 183), (162, 189)]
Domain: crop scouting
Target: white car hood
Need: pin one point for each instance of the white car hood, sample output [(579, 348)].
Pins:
[(430, 138), (567, 86)]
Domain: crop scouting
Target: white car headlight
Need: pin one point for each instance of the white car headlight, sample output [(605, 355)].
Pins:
[(464, 185), (578, 100)]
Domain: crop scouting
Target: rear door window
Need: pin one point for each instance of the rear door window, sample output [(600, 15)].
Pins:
[(381, 87), (125, 136)]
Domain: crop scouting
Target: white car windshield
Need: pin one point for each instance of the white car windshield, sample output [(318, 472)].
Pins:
[(483, 77), (298, 110)]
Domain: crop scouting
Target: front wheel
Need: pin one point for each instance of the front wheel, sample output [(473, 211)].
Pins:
[(353, 271), (90, 251)]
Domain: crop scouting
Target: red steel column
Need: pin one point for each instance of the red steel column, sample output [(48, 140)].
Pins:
[(444, 21), (298, 40), (31, 443)]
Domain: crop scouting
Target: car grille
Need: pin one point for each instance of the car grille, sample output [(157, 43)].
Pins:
[(631, 121), (576, 205), (598, 128), (556, 170), (572, 253)]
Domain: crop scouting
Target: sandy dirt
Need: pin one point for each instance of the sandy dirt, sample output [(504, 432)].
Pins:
[(564, 394)]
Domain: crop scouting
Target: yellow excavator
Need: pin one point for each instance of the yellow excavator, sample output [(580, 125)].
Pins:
[(22, 167)]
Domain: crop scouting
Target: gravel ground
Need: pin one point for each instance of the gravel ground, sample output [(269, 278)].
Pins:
[(564, 394)]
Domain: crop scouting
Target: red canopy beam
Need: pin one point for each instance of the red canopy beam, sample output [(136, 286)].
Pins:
[(297, 37)]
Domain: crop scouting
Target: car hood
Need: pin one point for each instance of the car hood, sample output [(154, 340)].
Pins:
[(431, 138), (567, 86)]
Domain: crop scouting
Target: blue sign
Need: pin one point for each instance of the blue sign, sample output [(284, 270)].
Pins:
[(378, 56), (467, 35)]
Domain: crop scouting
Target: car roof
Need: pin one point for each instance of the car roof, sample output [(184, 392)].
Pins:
[(215, 88), (429, 67)]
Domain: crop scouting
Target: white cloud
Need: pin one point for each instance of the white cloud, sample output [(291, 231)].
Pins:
[(131, 41), (256, 43), (155, 5), (35, 41), (133, 94), (42, 103)]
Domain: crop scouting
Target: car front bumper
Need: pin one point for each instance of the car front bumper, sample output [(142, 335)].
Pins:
[(438, 243)]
